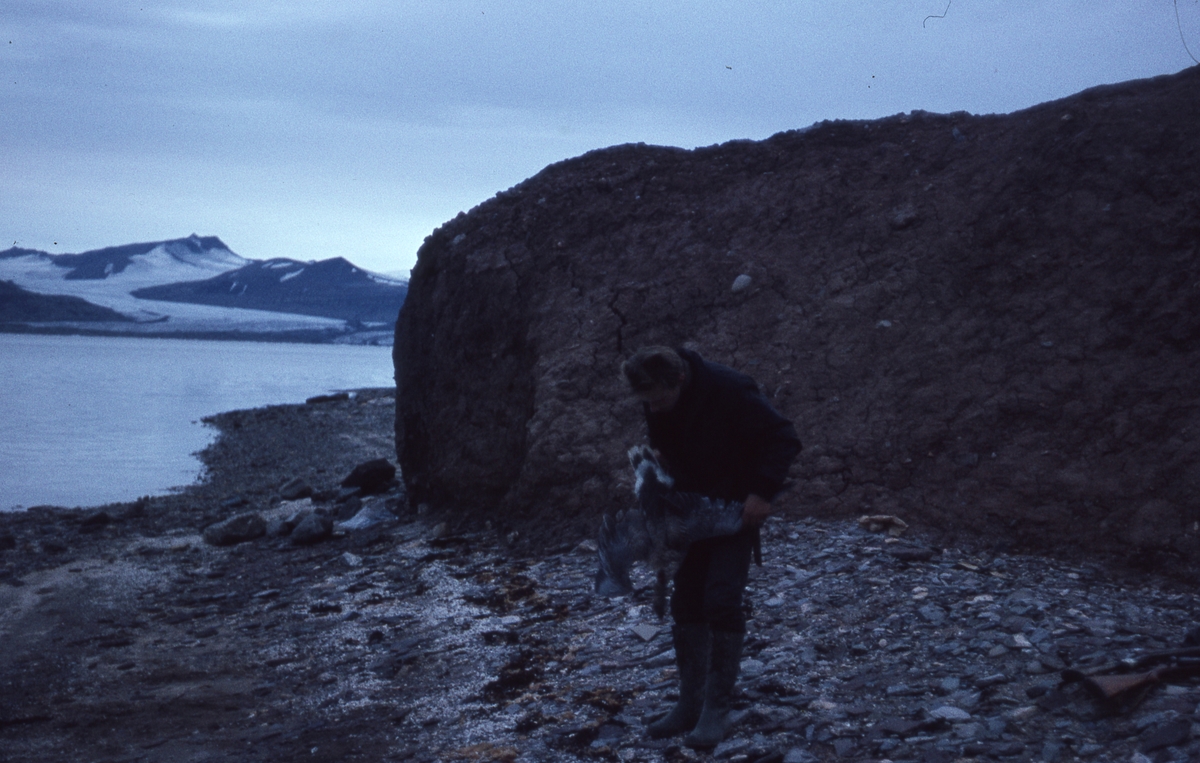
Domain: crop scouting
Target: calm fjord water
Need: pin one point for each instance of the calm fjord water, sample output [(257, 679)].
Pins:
[(92, 420)]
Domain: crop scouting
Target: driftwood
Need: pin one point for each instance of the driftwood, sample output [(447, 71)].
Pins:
[(1117, 684)]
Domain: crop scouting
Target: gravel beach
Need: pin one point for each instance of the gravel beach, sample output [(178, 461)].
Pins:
[(396, 635)]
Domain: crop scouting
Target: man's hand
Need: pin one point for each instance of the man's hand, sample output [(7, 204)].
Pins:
[(756, 511)]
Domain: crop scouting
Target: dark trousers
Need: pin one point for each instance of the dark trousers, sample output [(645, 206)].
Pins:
[(710, 582)]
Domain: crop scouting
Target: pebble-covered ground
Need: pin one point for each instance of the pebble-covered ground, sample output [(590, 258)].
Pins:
[(131, 639), (853, 653)]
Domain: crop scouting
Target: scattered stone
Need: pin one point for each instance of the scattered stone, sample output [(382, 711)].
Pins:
[(313, 527), (844, 747), (730, 747), (279, 527), (741, 283), (950, 684), (933, 614), (455, 642), (295, 489), (904, 216), (1037, 690), (373, 514), (1051, 750), (645, 632), (1167, 735), (894, 526), (947, 713), (752, 668), (238, 529), (95, 519), (371, 477), (993, 680), (348, 508), (1008, 749), (911, 553)]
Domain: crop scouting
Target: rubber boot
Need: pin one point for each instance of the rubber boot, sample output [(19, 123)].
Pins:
[(718, 691), (691, 655)]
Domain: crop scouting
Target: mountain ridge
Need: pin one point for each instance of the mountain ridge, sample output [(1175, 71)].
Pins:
[(333, 288), (190, 287), (100, 263), (21, 304)]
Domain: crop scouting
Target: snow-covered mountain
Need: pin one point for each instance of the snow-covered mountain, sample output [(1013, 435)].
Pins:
[(332, 288), (197, 286)]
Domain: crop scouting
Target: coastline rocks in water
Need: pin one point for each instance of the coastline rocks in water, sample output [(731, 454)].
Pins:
[(238, 529), (375, 476), (985, 324)]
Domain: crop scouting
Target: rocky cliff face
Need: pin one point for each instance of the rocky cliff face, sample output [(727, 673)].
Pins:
[(987, 325)]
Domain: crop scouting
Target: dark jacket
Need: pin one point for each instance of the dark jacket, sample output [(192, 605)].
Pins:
[(722, 438)]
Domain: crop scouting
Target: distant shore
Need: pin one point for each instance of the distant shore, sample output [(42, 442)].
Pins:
[(380, 338)]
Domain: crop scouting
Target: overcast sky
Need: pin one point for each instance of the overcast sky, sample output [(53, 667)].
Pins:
[(354, 128)]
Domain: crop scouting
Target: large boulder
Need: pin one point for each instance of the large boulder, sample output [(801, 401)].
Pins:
[(375, 476), (236, 529), (982, 324)]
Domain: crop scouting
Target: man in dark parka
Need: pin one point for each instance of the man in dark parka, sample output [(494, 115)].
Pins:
[(717, 435)]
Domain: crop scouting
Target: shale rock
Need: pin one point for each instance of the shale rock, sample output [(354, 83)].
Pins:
[(371, 477), (988, 326), (295, 489), (312, 527), (238, 529), (373, 514)]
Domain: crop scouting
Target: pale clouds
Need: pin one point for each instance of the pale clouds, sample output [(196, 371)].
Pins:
[(306, 130)]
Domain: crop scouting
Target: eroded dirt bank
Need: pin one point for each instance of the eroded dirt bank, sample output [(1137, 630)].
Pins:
[(987, 323), (131, 639)]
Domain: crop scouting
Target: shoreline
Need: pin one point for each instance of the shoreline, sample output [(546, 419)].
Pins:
[(253, 453), (299, 336), (129, 637)]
